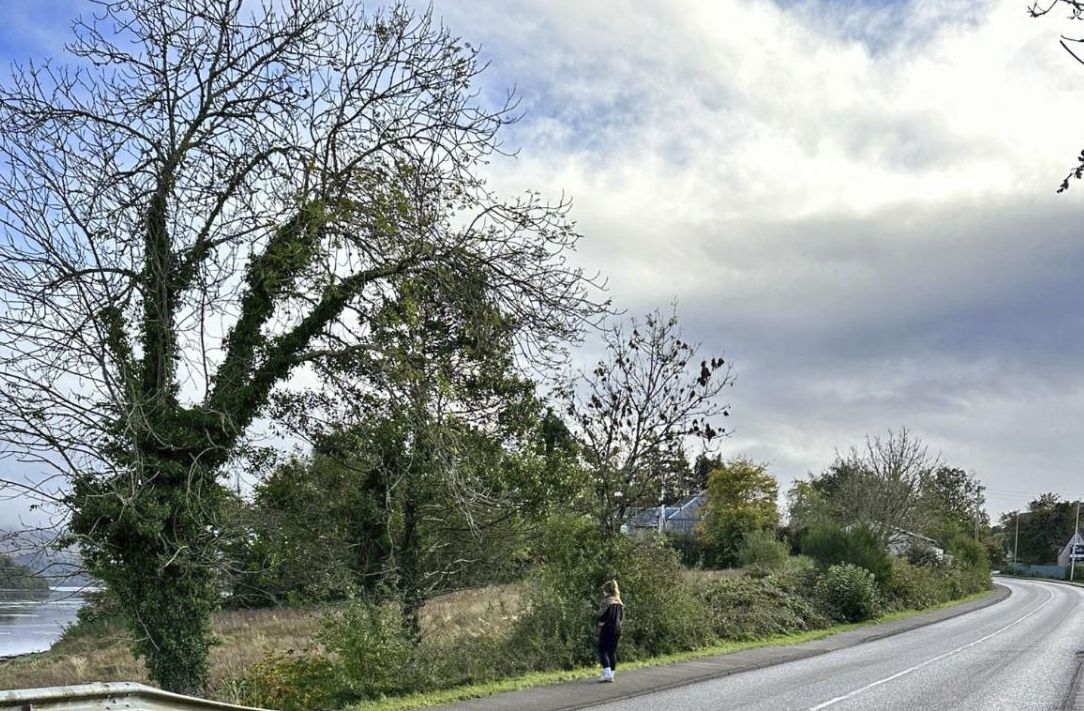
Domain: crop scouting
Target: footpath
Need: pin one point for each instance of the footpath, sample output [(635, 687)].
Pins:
[(584, 693)]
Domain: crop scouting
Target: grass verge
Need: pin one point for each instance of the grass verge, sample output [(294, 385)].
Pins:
[(533, 679)]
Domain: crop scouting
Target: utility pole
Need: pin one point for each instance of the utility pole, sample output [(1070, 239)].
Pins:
[(662, 508), (1072, 544), (1016, 542), (977, 504)]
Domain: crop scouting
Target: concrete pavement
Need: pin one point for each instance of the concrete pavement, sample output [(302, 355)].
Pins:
[(588, 692)]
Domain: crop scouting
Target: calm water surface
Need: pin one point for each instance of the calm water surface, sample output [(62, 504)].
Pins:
[(33, 625)]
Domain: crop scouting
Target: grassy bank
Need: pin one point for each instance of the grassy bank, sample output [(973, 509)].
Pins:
[(102, 652), (534, 679), (357, 656)]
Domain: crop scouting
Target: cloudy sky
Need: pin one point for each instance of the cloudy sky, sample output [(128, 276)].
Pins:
[(855, 202)]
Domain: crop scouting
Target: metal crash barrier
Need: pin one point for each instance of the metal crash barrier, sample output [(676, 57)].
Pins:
[(112, 696)]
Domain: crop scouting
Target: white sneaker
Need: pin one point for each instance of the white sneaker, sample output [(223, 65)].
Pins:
[(607, 675)]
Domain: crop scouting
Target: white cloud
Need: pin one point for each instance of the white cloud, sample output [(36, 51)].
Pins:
[(856, 202)]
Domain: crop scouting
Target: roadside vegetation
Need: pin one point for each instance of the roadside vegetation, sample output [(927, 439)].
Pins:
[(500, 637), (303, 243)]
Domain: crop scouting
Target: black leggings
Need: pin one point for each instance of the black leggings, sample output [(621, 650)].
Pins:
[(607, 651)]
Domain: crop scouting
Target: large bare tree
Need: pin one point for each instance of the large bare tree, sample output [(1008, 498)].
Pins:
[(201, 206)]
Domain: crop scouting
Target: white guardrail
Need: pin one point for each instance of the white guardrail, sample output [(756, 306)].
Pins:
[(112, 696)]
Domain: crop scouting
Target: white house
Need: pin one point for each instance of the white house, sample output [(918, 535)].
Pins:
[(1073, 550), (679, 518), (900, 542)]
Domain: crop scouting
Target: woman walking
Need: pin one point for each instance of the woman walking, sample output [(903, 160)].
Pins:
[(610, 616)]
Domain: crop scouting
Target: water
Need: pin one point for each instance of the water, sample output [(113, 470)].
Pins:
[(33, 625)]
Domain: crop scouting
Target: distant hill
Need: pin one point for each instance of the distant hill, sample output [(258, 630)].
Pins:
[(35, 550), (18, 581)]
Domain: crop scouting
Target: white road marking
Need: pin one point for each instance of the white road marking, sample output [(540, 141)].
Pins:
[(905, 672)]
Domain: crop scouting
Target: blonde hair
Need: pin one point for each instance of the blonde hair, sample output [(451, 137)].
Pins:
[(610, 588)]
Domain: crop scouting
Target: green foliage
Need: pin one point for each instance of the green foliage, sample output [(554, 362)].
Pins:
[(558, 631), (762, 549), (741, 498), (848, 593), (367, 651), (918, 586), (1045, 528), (98, 616), (750, 607), (692, 551), (373, 648), (858, 545), (154, 548), (914, 587), (557, 627), (315, 531), (291, 682), (663, 614), (952, 503)]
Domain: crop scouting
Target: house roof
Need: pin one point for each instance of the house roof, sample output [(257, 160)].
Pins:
[(683, 509)]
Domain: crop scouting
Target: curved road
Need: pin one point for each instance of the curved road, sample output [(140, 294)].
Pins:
[(1015, 655)]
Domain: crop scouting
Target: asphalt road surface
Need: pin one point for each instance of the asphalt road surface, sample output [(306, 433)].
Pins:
[(1018, 654)]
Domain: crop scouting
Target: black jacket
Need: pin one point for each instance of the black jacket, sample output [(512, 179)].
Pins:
[(610, 616)]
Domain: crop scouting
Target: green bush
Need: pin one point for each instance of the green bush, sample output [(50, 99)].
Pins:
[(557, 630), (464, 660), (762, 549), (753, 607), (858, 545), (692, 551), (367, 653), (291, 682), (848, 593), (662, 612), (915, 587), (372, 648)]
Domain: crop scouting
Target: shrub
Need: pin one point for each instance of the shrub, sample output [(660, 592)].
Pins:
[(557, 629), (764, 550), (915, 586), (858, 545), (372, 647), (753, 607), (291, 682), (924, 555), (848, 593), (663, 614), (693, 552)]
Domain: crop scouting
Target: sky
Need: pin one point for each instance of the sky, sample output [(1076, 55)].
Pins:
[(854, 202)]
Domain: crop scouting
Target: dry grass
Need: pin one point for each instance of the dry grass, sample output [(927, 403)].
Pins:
[(472, 613), (245, 636)]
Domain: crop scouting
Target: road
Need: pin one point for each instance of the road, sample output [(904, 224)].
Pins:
[(1018, 654)]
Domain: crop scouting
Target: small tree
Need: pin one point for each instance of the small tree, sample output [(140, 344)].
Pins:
[(635, 411), (741, 498), (881, 484)]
